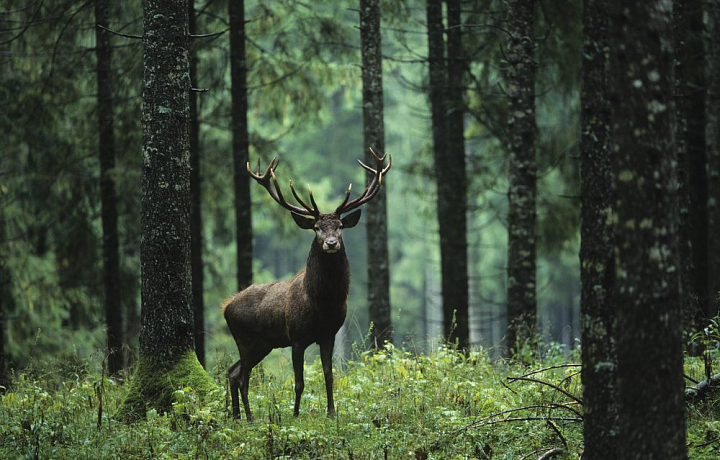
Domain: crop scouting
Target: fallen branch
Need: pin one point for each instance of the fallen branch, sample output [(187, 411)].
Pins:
[(542, 382), (551, 453), (702, 389), (525, 419)]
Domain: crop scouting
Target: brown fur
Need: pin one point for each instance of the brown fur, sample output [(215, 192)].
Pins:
[(309, 308)]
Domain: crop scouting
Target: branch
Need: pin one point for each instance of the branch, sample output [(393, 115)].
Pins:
[(551, 453), (135, 37), (702, 389), (216, 34), (542, 382)]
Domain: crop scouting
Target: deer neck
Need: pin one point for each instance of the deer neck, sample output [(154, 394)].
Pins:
[(327, 276)]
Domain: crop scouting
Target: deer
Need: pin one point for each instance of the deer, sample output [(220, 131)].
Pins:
[(310, 307)]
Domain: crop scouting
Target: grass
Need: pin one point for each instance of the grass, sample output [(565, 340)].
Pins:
[(391, 404)]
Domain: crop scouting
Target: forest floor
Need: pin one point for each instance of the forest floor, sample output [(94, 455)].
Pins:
[(391, 405)]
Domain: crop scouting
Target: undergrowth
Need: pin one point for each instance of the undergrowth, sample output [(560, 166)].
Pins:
[(390, 403)]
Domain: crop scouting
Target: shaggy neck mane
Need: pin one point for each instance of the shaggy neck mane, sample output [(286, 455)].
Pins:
[(327, 276)]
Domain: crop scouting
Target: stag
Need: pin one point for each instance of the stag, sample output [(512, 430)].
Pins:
[(310, 307)]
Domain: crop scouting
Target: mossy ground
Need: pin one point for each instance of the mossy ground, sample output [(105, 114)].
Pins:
[(391, 404)]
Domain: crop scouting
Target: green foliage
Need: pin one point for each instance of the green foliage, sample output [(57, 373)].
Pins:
[(390, 403), (305, 108)]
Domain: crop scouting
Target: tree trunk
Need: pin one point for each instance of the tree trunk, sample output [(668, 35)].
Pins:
[(196, 242), (685, 246), (6, 302), (374, 137), (647, 293), (439, 103), (241, 143), (521, 301), (167, 360), (694, 75), (713, 150), (597, 267), (453, 184), (692, 162), (108, 197)]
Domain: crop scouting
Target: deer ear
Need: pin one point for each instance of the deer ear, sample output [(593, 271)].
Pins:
[(351, 219), (303, 222)]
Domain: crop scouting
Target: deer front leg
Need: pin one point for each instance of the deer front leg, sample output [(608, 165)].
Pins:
[(326, 354), (298, 360)]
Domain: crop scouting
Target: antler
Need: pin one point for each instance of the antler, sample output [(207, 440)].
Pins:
[(373, 187), (276, 194)]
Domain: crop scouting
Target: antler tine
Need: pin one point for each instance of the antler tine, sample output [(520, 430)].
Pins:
[(312, 200), (347, 196), (372, 188), (312, 210), (274, 188)]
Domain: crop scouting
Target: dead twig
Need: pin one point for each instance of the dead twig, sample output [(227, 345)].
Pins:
[(702, 389), (542, 382), (551, 453)]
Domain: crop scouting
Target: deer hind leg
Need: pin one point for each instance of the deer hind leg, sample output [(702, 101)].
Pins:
[(326, 354), (234, 378), (248, 360), (298, 360)]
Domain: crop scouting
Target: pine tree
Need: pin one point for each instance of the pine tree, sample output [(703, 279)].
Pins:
[(521, 300), (647, 293), (108, 196), (241, 143), (374, 137), (597, 268), (167, 359)]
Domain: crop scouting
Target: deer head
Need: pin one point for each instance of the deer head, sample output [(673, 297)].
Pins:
[(328, 227)]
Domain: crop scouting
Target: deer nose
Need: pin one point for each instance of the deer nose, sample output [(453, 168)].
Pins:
[(332, 244)]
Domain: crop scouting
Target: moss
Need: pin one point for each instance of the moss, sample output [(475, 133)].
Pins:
[(154, 383)]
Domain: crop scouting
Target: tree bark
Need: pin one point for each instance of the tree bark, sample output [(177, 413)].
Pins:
[(6, 301), (374, 137), (108, 196), (241, 143), (437, 90), (692, 161), (167, 360), (196, 241), (647, 295), (521, 268), (453, 184), (597, 267), (694, 61), (449, 199), (713, 150)]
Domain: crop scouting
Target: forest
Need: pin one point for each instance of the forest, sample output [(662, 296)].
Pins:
[(537, 185)]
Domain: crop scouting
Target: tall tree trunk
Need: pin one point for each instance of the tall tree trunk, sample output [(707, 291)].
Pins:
[(453, 184), (108, 197), (694, 75), (521, 301), (647, 294), (6, 299), (167, 359), (685, 246), (713, 150), (454, 296), (196, 242), (241, 143), (597, 267), (374, 137), (692, 161)]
